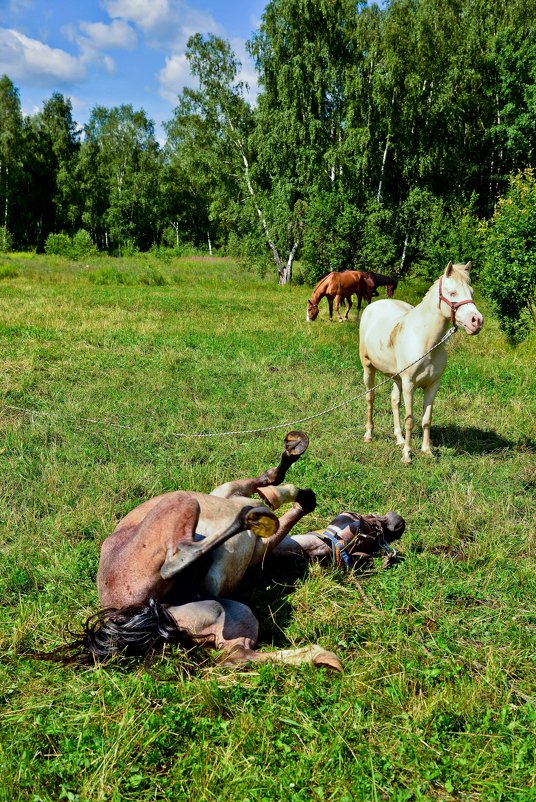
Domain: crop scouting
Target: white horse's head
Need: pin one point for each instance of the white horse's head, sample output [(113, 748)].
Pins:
[(456, 298)]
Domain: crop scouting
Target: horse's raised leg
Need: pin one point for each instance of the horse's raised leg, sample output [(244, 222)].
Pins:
[(296, 443), (407, 391), (429, 395), (369, 375), (349, 306), (330, 304), (395, 406)]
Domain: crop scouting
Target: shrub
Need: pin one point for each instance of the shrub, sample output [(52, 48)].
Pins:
[(82, 245), (509, 273), (59, 245), (6, 240)]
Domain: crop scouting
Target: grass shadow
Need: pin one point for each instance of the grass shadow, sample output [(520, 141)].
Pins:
[(470, 440), (267, 592)]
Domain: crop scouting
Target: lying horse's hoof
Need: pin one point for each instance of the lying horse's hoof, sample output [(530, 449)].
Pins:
[(324, 659), (306, 499), (296, 443), (261, 521)]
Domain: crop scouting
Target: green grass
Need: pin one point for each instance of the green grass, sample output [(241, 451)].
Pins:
[(438, 700)]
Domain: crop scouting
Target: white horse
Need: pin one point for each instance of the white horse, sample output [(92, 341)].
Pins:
[(394, 334)]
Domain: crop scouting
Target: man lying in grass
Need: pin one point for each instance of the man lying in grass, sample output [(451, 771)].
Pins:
[(166, 571)]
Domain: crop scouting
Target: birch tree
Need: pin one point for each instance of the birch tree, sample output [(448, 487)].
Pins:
[(10, 149)]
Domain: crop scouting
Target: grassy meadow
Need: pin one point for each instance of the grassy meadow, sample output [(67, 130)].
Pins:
[(102, 365)]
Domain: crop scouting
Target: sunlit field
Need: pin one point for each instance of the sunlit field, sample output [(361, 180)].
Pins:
[(103, 364)]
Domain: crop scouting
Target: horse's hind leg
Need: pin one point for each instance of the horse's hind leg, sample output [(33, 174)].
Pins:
[(349, 306), (231, 627), (395, 406)]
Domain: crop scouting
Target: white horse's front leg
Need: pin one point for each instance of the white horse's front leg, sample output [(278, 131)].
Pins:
[(369, 375), (408, 389), (429, 395), (395, 406)]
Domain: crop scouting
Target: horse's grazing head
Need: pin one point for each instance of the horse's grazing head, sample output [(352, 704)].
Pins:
[(391, 287), (456, 298), (312, 311)]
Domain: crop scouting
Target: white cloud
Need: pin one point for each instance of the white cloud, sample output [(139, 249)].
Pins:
[(118, 34), (166, 23), (28, 59), (173, 77)]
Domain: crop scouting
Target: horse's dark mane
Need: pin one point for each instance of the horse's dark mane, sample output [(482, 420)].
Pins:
[(127, 631)]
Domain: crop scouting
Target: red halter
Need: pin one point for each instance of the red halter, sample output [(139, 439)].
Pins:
[(453, 306)]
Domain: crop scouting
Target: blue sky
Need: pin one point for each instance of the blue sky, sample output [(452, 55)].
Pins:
[(111, 52)]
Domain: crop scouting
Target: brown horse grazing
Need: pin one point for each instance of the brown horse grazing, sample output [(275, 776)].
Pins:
[(340, 286)]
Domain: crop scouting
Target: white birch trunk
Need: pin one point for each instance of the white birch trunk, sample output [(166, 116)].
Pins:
[(382, 172)]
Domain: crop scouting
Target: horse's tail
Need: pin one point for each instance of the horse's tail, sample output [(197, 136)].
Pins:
[(126, 631)]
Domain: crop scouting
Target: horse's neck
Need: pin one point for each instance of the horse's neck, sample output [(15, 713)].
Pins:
[(431, 321), (319, 292)]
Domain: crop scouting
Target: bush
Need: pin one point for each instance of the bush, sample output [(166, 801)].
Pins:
[(6, 240), (59, 245), (509, 274), (82, 245)]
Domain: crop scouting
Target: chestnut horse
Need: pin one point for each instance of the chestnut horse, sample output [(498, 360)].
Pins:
[(394, 334), (341, 286)]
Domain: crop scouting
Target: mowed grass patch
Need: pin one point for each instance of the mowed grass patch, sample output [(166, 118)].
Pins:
[(437, 700)]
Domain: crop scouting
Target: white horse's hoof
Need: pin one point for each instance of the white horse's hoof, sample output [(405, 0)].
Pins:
[(406, 459), (400, 440), (367, 438)]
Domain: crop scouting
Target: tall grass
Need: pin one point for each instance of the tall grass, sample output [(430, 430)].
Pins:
[(437, 701)]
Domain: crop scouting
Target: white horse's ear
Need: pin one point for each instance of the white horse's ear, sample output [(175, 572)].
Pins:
[(468, 266), (449, 268)]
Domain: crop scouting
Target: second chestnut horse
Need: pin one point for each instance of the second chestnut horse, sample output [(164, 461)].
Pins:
[(340, 286)]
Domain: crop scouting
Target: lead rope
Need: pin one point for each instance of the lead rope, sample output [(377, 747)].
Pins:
[(179, 435)]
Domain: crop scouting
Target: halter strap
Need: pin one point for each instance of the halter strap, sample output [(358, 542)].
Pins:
[(339, 549), (454, 306), (331, 535)]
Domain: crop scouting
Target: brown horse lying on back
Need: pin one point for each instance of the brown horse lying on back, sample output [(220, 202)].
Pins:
[(341, 286)]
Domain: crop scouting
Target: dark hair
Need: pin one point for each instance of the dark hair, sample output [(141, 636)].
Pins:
[(126, 631)]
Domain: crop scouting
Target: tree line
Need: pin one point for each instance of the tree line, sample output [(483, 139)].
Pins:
[(381, 137)]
